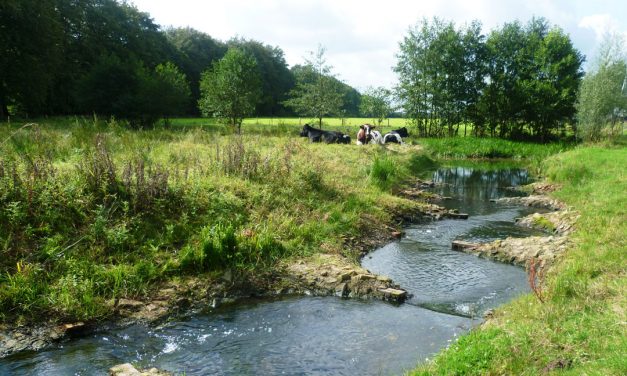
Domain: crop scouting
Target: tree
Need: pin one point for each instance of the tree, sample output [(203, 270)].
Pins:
[(376, 103), (195, 53), (30, 53), (277, 80), (432, 76), (173, 90), (317, 93), (231, 88), (602, 99)]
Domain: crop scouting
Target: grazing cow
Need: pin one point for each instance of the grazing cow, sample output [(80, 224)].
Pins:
[(329, 137)]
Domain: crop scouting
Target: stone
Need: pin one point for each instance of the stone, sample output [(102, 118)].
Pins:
[(382, 278), (125, 369), (393, 294), (461, 245), (129, 304)]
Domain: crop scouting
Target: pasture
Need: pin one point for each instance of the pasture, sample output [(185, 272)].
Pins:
[(93, 211)]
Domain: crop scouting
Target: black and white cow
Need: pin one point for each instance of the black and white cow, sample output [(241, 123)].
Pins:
[(329, 137), (395, 136)]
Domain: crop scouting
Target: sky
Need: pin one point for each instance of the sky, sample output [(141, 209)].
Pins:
[(361, 37)]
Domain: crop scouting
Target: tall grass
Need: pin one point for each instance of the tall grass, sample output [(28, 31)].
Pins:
[(90, 211)]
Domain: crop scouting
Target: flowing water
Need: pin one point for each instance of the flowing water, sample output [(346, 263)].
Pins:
[(328, 335)]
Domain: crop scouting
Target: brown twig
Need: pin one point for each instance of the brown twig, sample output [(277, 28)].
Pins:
[(535, 274)]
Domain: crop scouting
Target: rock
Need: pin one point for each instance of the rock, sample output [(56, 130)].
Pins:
[(394, 294), (128, 369), (457, 215), (460, 245), (228, 275), (397, 234), (125, 369), (130, 305), (342, 290)]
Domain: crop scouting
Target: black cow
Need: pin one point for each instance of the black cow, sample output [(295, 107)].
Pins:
[(329, 137)]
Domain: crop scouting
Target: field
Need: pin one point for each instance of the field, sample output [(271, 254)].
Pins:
[(92, 211)]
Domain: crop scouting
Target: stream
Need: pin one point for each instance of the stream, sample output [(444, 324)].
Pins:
[(329, 335)]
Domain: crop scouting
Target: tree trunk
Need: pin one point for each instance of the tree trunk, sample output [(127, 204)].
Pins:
[(320, 122)]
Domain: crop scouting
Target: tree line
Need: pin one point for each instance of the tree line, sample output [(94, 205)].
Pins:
[(107, 57), (518, 81)]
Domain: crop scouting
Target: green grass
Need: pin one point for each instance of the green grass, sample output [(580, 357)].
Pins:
[(473, 147), (581, 328), (91, 211)]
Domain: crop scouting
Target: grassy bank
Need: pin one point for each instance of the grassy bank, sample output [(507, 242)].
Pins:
[(580, 329), (91, 211)]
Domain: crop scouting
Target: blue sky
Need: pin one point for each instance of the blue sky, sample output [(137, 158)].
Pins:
[(361, 37)]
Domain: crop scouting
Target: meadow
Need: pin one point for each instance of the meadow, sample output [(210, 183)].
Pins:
[(92, 211)]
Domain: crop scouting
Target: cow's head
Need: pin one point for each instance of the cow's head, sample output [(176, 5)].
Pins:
[(305, 131)]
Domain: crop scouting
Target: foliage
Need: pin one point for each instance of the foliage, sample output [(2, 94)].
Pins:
[(29, 41), (127, 90), (276, 78), (602, 99), (472, 147), (231, 89), (173, 93), (317, 92), (376, 103), (519, 80), (195, 52)]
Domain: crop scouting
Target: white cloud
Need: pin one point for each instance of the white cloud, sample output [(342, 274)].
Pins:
[(601, 24), (362, 36)]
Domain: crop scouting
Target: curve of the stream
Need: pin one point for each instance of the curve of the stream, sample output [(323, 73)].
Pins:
[(329, 335)]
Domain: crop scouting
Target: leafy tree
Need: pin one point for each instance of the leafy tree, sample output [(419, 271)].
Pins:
[(277, 80), (30, 53), (195, 52), (231, 88), (317, 93), (174, 94), (432, 76), (534, 75), (602, 98), (376, 103), (97, 28)]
